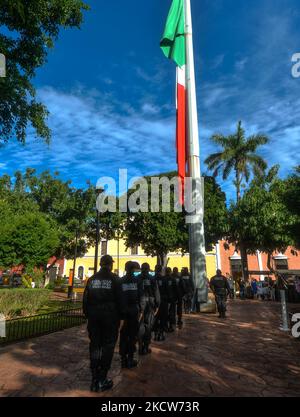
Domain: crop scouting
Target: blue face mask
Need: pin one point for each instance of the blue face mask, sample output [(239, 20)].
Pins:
[(152, 274), (136, 274)]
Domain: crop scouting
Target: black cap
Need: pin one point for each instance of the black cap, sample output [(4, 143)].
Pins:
[(106, 260), (129, 266), (145, 267)]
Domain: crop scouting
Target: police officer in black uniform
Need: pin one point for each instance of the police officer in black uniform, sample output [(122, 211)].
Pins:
[(151, 304), (180, 294), (161, 320), (132, 308), (188, 286), (101, 301), (221, 288), (172, 299)]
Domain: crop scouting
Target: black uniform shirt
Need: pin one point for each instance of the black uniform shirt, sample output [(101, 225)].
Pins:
[(179, 285), (162, 286), (188, 284), (102, 295), (150, 289), (133, 301), (220, 285), (172, 289)]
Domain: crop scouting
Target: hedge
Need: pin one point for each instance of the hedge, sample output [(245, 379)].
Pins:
[(22, 302)]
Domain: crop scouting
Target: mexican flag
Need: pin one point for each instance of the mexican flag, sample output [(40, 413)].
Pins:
[(173, 46)]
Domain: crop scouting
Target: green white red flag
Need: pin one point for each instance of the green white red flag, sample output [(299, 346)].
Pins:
[(173, 46)]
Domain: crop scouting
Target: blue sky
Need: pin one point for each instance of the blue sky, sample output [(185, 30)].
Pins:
[(110, 91)]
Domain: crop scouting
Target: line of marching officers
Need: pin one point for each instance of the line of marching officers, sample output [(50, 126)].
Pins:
[(139, 304)]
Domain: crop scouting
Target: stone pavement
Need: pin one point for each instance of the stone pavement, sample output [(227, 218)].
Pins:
[(246, 355)]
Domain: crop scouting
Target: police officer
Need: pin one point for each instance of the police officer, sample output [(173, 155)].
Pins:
[(172, 300), (132, 308), (180, 294), (188, 286), (151, 297), (221, 289), (161, 321), (101, 301)]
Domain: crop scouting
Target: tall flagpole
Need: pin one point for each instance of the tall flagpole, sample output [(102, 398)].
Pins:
[(196, 226)]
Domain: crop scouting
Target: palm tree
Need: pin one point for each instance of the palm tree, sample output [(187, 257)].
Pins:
[(239, 155)]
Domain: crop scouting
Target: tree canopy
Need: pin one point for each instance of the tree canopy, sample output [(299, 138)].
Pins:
[(162, 232), (31, 28), (238, 154), (261, 219)]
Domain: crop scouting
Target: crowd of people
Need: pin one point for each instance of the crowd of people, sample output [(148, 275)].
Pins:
[(268, 289), (132, 308)]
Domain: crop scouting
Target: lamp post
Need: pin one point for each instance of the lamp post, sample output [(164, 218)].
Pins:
[(70, 288), (99, 190)]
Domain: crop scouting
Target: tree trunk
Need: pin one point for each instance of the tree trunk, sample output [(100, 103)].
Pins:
[(244, 257), (162, 259), (238, 185), (269, 263)]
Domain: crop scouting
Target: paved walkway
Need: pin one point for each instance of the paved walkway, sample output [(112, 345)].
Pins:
[(245, 355)]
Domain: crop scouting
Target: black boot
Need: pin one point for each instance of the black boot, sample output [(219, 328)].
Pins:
[(143, 349), (124, 362), (156, 335), (95, 381), (105, 384), (131, 363), (147, 350), (161, 337), (171, 329), (94, 385)]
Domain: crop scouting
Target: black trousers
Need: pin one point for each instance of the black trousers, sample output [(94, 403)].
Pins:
[(179, 310), (129, 336), (221, 303), (161, 322), (103, 334), (149, 325), (172, 313), (187, 301)]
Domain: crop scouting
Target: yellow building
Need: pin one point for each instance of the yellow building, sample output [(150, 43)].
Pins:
[(85, 265)]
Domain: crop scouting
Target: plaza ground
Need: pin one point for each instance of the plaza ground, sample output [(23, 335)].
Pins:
[(246, 355)]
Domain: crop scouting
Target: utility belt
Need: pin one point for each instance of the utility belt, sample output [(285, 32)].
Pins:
[(221, 292)]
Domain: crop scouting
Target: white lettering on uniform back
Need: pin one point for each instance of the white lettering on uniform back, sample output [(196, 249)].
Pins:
[(129, 287), (105, 284)]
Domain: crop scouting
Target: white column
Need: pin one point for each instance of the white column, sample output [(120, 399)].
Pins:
[(218, 254)]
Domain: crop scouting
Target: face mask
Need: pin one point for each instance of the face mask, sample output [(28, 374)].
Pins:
[(152, 274), (136, 274)]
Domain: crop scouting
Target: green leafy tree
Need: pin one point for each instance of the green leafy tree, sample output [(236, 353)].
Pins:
[(215, 212), (162, 232), (291, 197), (27, 238), (238, 155), (260, 219), (32, 26), (71, 208)]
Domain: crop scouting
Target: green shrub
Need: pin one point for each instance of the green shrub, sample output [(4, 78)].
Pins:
[(22, 302), (58, 282), (50, 286), (33, 275), (26, 281)]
